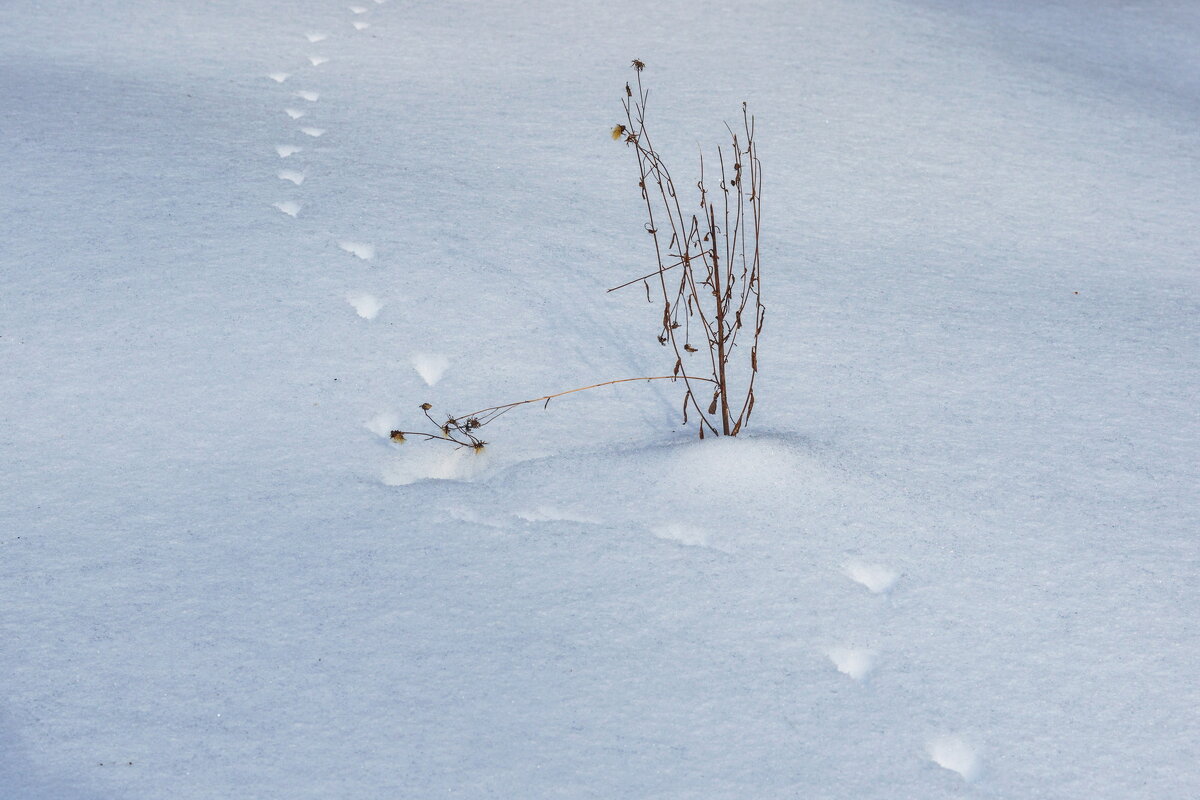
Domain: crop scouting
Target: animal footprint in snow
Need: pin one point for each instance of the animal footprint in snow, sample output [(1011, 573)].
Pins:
[(317, 61), (311, 97), (314, 132), (368, 307), (431, 368), (383, 424), (294, 113), (279, 77), (364, 251), (360, 25), (316, 36), (876, 577), (289, 207), (853, 662), (952, 753), (286, 150), (291, 175)]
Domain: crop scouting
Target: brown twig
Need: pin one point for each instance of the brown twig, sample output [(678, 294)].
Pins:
[(459, 429)]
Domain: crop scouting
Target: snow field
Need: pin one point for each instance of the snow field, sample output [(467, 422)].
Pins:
[(954, 557)]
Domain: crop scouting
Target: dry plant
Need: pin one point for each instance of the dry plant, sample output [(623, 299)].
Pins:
[(708, 276), (714, 292)]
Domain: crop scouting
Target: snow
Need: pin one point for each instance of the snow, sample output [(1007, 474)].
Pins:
[(954, 556), (955, 755), (853, 662)]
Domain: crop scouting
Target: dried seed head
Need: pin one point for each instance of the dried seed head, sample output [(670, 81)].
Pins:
[(617, 131), (398, 436), (638, 65), (426, 406), (478, 447)]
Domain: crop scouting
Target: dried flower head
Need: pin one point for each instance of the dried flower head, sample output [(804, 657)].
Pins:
[(638, 65), (617, 131), (398, 436)]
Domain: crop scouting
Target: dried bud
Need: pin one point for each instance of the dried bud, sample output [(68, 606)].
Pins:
[(398, 436), (426, 406)]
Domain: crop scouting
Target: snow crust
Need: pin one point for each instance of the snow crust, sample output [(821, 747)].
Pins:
[(954, 556)]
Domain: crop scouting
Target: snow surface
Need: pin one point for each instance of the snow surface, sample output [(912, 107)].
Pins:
[(956, 556)]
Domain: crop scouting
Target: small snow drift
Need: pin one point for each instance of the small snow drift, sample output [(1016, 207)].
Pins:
[(952, 753), (853, 662), (279, 77), (314, 132), (876, 577), (294, 113), (431, 368), (316, 37), (555, 514), (360, 249), (289, 207), (295, 176), (311, 97), (285, 150), (428, 463), (683, 534), (367, 305)]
